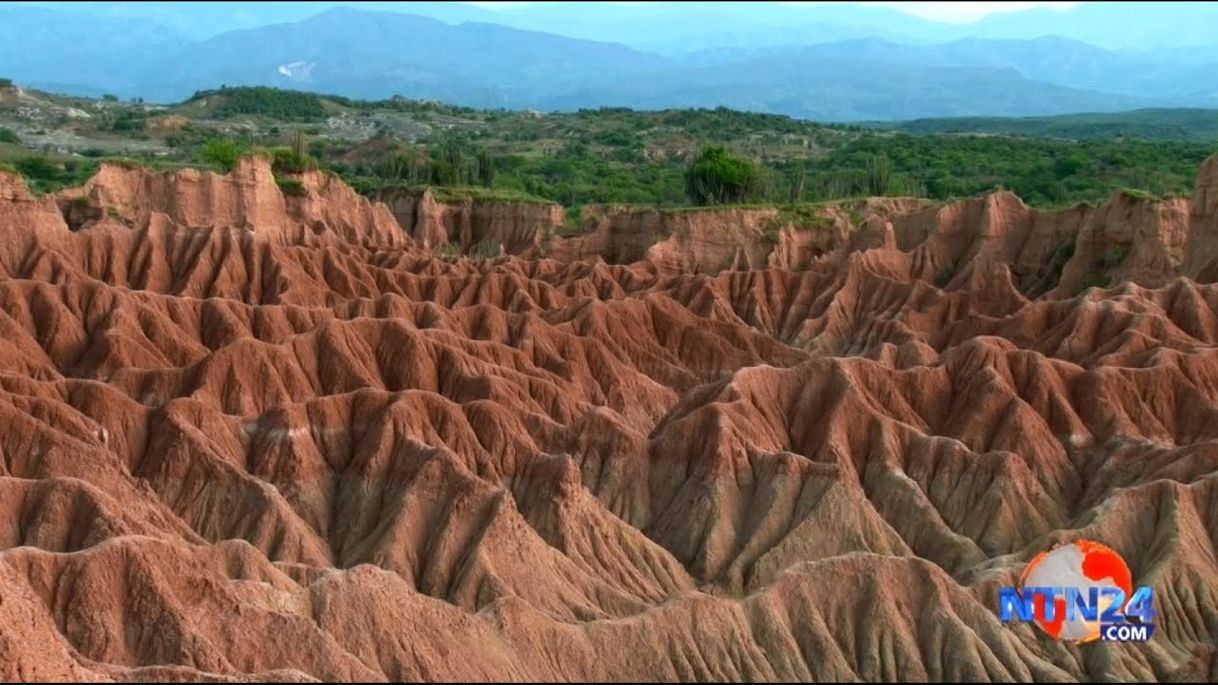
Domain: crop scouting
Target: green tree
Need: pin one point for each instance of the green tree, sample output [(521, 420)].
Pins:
[(223, 152), (716, 176)]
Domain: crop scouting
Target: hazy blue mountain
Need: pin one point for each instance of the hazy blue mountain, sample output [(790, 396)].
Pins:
[(835, 62), (78, 52), (202, 20), (804, 84), (681, 27), (379, 54), (660, 27), (1055, 60), (675, 28), (1152, 124)]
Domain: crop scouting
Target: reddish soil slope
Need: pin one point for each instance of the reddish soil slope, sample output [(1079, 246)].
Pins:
[(250, 436)]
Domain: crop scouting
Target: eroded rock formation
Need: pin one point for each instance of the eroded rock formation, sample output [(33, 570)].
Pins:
[(251, 435)]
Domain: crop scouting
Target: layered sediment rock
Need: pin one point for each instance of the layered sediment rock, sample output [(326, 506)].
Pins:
[(519, 228)]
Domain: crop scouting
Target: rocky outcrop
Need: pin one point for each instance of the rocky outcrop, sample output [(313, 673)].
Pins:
[(1202, 262), (257, 431), (1055, 253), (489, 226), (249, 200)]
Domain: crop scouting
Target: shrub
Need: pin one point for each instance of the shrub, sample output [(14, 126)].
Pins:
[(717, 176), (223, 152), (291, 187), (1138, 194), (44, 175), (127, 122), (285, 160), (7, 135), (39, 168)]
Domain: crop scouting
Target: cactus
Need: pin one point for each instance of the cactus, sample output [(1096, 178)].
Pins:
[(797, 188), (879, 175)]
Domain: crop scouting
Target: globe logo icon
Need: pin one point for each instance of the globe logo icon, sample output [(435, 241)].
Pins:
[(1083, 565)]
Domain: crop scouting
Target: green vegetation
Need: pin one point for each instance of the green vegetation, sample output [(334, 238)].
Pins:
[(461, 193), (45, 175), (291, 187), (1136, 194), (805, 216), (1046, 173), (128, 121), (573, 221), (716, 176), (222, 152), (6, 83), (1145, 124), (7, 135), (284, 105), (667, 159), (295, 159), (879, 175)]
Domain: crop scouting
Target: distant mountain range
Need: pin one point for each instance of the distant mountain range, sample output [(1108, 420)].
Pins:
[(832, 62)]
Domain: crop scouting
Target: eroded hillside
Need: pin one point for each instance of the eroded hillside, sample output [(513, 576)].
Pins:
[(252, 434)]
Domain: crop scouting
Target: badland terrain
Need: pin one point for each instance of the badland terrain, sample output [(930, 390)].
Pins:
[(260, 426)]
